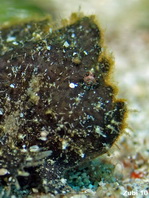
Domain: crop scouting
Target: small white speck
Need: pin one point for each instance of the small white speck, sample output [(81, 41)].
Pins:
[(66, 44), (13, 196), (42, 138), (73, 35), (74, 53), (12, 85), (24, 146), (73, 85), (11, 38), (97, 130), (98, 106), (21, 115), (29, 159), (82, 155), (64, 144), (15, 43), (1, 111), (85, 52), (44, 133), (50, 30), (24, 149), (64, 181), (34, 148), (3, 171), (14, 69), (48, 47), (21, 136)]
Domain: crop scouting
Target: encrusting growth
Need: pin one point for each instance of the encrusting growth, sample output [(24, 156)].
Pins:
[(57, 107)]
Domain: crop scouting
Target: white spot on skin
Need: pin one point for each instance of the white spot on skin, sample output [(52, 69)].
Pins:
[(50, 30), (21, 115), (113, 130), (43, 136), (106, 146), (66, 44), (74, 53), (34, 148), (72, 85), (24, 147), (64, 144), (98, 106), (48, 47), (12, 85), (73, 35), (22, 173), (82, 155), (85, 52), (29, 159), (3, 171), (1, 111), (98, 130), (36, 36), (77, 99), (15, 69), (15, 43), (64, 181), (11, 38), (21, 137)]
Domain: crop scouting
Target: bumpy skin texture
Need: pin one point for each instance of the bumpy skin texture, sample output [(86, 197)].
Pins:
[(56, 109)]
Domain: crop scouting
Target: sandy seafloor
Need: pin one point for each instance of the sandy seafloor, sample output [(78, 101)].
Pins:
[(126, 28)]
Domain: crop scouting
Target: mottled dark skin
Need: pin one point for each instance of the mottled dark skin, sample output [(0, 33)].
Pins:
[(56, 107)]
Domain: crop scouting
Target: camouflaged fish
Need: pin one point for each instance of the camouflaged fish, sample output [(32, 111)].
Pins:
[(57, 107)]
